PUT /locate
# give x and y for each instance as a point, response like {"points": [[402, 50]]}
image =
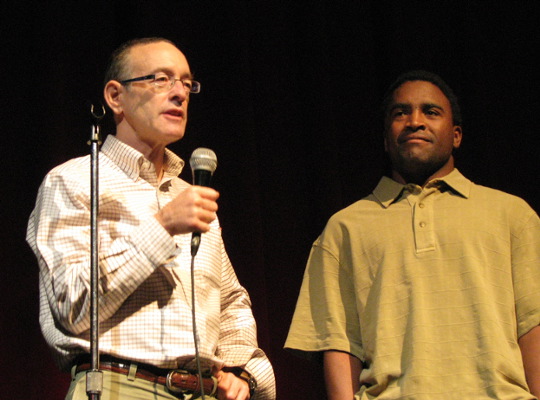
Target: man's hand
{"points": [[230, 387], [192, 210]]}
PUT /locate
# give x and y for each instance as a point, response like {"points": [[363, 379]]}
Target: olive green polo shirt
{"points": [[430, 287]]}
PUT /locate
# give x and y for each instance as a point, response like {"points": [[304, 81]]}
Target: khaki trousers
{"points": [[121, 387]]}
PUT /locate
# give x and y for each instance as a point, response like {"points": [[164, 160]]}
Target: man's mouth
{"points": [[413, 138], [175, 112]]}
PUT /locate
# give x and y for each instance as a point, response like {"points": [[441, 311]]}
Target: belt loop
{"points": [[132, 371], [73, 371]]}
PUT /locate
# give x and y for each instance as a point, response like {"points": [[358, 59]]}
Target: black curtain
{"points": [[290, 104]]}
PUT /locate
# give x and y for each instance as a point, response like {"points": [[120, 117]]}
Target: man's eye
{"points": [[162, 79], [187, 84]]}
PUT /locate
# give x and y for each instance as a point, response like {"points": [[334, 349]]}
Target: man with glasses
{"points": [[146, 217]]}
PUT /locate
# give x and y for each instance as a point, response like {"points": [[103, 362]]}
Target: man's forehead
{"points": [[419, 92], [142, 47], [156, 56]]}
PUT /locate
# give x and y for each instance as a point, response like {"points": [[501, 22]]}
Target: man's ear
{"points": [[112, 95], [385, 138], [458, 134]]}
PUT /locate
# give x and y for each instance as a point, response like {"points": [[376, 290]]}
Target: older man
{"points": [[146, 218]]}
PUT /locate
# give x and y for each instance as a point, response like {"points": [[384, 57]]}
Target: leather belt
{"points": [[176, 380]]}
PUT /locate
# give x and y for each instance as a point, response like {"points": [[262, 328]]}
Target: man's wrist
{"points": [[245, 376], [252, 383]]}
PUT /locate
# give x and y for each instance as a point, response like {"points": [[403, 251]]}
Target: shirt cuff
{"points": [[261, 369]]}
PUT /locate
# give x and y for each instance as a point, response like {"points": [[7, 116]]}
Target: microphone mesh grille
{"points": [[203, 158]]}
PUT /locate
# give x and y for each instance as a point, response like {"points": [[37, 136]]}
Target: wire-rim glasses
{"points": [[165, 81]]}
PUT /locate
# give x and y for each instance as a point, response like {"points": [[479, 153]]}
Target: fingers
{"points": [[230, 387], [203, 206], [191, 211], [205, 192]]}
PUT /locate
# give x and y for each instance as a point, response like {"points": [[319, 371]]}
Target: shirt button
{"points": [[421, 205], [422, 224]]}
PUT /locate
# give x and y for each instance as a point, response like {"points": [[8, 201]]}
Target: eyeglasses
{"points": [[163, 81]]}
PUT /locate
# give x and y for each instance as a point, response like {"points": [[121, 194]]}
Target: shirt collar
{"points": [[388, 190], [457, 182], [131, 160]]}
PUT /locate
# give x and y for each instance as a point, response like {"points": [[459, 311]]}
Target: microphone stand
{"points": [[94, 377]]}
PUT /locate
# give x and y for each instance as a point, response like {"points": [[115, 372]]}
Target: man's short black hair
{"points": [[421, 75]]}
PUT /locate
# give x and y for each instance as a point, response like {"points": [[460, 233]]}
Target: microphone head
{"points": [[203, 159]]}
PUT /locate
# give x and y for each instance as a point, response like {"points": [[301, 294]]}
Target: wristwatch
{"points": [[252, 383]]}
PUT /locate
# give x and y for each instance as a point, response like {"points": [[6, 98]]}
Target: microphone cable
{"points": [[194, 324]]}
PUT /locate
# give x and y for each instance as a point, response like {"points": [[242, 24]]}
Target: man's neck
{"points": [[422, 179]]}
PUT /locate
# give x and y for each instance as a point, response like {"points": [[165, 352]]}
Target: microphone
{"points": [[203, 163]]}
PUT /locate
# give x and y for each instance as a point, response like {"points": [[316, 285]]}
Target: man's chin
{"points": [[175, 136]]}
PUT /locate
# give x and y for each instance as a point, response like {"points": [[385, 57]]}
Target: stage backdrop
{"points": [[289, 102]]}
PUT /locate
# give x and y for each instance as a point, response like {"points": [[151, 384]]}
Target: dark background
{"points": [[289, 102]]}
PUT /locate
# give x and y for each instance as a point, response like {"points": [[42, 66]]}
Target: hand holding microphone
{"points": [[195, 208]]}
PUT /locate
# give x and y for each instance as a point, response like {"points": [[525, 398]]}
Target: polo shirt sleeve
{"points": [[326, 316], [526, 271]]}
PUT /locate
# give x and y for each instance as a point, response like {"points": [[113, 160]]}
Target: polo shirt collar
{"points": [[388, 190], [457, 182]]}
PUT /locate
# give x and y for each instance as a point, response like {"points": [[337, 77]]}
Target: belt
{"points": [[176, 380]]}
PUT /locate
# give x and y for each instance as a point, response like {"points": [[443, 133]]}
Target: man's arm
{"points": [[341, 375], [59, 234], [530, 351], [237, 343]]}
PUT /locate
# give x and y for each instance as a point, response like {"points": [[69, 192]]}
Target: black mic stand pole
{"points": [[94, 377]]}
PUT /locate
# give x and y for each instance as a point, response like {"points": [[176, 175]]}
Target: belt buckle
{"points": [[169, 384]]}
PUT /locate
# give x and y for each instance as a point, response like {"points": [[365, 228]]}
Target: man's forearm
{"points": [[530, 351], [341, 375]]}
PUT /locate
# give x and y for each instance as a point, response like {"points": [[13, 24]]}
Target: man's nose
{"points": [[179, 90], [416, 120]]}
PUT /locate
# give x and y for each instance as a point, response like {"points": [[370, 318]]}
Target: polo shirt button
{"points": [[422, 224], [421, 205]]}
